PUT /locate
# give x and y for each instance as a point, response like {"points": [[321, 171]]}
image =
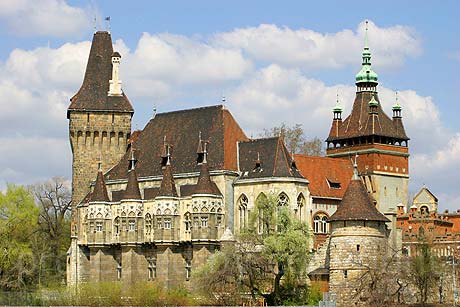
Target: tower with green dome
{"points": [[379, 141]]}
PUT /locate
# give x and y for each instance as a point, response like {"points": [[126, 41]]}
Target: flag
{"points": [[107, 18]]}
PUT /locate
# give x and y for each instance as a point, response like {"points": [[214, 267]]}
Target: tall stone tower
{"points": [[359, 238], [380, 141], [99, 117]]}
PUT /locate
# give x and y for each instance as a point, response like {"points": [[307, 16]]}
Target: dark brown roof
{"points": [[205, 185], [92, 95], [151, 193], [117, 195], [360, 123], [357, 205], [100, 190], [323, 172], [187, 190], [182, 129], [168, 187], [132, 188], [274, 158]]}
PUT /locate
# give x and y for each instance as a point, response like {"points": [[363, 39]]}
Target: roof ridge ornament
{"points": [[355, 168]]}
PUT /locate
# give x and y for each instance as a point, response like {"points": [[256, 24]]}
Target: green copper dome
{"points": [[337, 109], [373, 102], [396, 107], [366, 74]]}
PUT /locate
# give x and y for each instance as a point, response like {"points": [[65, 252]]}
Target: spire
{"points": [[99, 193], [366, 78], [205, 185], [132, 188], [115, 82], [337, 110], [396, 108], [168, 186]]}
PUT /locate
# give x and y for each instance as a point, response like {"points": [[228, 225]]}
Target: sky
{"points": [[273, 61]]}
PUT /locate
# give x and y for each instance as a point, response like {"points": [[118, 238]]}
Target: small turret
{"points": [[99, 193], [396, 108], [132, 188], [204, 184], [373, 105], [168, 186]]}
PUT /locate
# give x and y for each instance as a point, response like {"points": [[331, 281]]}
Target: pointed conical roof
{"points": [[357, 204], [205, 185], [132, 188], [93, 94], [168, 186], [99, 193]]}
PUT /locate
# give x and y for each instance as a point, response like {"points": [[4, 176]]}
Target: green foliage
{"points": [[295, 139], [269, 260], [18, 221], [424, 270], [117, 294]]}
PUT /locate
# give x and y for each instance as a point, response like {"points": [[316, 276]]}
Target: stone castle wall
{"points": [[94, 137], [353, 249]]}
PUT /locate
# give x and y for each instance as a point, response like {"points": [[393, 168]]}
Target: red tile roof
{"points": [[318, 170]]}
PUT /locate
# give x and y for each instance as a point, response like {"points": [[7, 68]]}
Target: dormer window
{"points": [[333, 183]]}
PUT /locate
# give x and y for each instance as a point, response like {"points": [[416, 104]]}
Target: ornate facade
{"points": [[153, 204]]}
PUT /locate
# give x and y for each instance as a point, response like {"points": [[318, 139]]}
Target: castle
{"points": [[154, 204]]}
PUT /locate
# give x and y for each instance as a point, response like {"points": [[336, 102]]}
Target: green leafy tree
{"points": [[269, 259], [296, 140], [18, 223], [424, 268]]}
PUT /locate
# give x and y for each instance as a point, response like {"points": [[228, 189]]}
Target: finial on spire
{"points": [[94, 23], [205, 152], [154, 112], [99, 166], [366, 42], [223, 98], [107, 19]]}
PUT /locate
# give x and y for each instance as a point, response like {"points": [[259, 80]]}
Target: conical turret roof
{"points": [[132, 188], [205, 185], [357, 205], [168, 186], [99, 193]]}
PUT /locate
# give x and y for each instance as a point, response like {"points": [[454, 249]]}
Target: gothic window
{"points": [[424, 210], [204, 221], [283, 200], [167, 223], [320, 223], [243, 211], [98, 226], [159, 223], [300, 206], [196, 222], [116, 226], [148, 223], [131, 225], [219, 220]]}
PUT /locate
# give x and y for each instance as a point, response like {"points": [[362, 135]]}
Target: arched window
{"points": [[300, 206], [116, 226], [283, 200], [320, 223], [188, 221], [148, 223], [243, 211], [424, 210]]}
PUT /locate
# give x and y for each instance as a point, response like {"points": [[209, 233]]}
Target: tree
{"points": [[383, 281], [424, 270], [53, 198], [268, 260], [18, 221], [295, 139]]}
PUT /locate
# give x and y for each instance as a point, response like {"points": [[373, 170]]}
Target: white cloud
{"points": [[304, 48], [44, 18]]}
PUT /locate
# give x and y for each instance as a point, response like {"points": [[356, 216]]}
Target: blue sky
{"points": [[275, 61]]}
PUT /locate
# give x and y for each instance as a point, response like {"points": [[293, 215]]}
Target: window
{"points": [[204, 222], [152, 268], [159, 223], [188, 270], [320, 223], [283, 200], [148, 223], [167, 223], [333, 183], [243, 210], [300, 206], [188, 222], [358, 248], [219, 220], [345, 273], [119, 271], [98, 226], [196, 222], [131, 225]]}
